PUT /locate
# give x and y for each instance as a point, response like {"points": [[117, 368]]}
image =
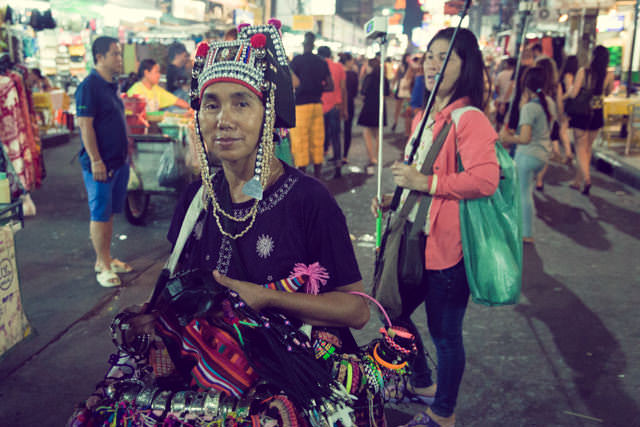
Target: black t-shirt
{"points": [[176, 77], [312, 71], [298, 221]]}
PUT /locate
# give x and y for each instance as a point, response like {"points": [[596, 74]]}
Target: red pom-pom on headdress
{"points": [[244, 24], [275, 22], [258, 41], [202, 50]]}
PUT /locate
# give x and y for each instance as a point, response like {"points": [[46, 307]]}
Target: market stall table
{"points": [[618, 106], [617, 114]]}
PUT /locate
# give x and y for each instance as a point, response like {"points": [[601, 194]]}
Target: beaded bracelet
{"points": [[375, 370], [363, 377], [327, 336], [372, 383], [334, 369], [355, 384], [384, 363], [323, 349], [391, 343], [343, 371], [349, 376]]}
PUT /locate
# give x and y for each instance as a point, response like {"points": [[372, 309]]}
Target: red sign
{"points": [[453, 7]]}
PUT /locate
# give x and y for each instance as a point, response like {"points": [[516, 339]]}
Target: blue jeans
{"points": [[332, 132], [527, 168], [445, 294]]}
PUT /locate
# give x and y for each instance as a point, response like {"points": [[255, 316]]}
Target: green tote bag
{"points": [[491, 229]]}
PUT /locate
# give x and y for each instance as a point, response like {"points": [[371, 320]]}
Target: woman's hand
{"points": [[406, 176], [386, 202], [254, 295], [505, 134]]}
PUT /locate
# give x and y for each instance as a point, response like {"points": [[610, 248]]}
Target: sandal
{"points": [[422, 419], [416, 397], [108, 279], [403, 392], [117, 266]]}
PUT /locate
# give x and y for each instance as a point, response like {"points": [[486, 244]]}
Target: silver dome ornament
{"points": [[212, 403], [196, 406], [178, 402], [130, 390], [161, 402]]}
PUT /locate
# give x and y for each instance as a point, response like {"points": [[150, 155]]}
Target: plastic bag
{"points": [[172, 170], [491, 229]]}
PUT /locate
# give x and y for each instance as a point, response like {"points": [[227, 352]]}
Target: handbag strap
{"points": [[191, 217], [426, 169]]}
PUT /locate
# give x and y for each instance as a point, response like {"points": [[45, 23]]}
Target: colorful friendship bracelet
{"points": [[286, 285]]}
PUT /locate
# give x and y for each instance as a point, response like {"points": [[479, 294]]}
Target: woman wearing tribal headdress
{"points": [[249, 322]]}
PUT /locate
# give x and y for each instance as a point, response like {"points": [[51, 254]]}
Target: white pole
{"points": [[383, 44], [381, 115]]}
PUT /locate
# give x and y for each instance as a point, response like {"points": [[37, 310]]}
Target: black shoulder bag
{"points": [[400, 262]]}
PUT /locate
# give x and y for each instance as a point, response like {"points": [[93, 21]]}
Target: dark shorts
{"points": [[106, 197], [593, 121]]}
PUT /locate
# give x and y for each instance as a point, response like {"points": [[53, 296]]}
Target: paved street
{"points": [[567, 355]]}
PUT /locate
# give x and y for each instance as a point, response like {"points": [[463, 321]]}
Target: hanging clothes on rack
{"points": [[17, 129]]}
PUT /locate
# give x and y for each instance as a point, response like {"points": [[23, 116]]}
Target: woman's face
{"points": [[153, 75], [432, 64], [231, 121]]}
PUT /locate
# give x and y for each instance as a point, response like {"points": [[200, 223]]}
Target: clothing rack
{"points": [[10, 34]]}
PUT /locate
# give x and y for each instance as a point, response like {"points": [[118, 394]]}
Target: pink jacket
{"points": [[476, 144]]}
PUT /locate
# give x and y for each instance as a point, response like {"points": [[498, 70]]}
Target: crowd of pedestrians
{"points": [[536, 115]]}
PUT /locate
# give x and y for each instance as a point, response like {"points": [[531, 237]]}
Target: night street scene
{"points": [[265, 213]]}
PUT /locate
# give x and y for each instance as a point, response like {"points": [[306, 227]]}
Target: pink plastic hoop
{"points": [[370, 298]]}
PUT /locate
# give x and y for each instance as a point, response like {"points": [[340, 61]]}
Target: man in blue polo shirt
{"points": [[103, 156]]}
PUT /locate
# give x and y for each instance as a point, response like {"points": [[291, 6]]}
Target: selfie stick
{"points": [[432, 96], [376, 28], [383, 46]]}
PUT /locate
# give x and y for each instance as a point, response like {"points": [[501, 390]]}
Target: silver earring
{"points": [[253, 188]]}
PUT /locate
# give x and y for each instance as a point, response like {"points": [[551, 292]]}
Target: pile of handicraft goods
{"points": [[204, 358]]}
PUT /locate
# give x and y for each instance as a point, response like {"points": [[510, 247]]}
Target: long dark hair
{"points": [[514, 116], [598, 67], [550, 71], [570, 66], [471, 80], [405, 63], [145, 65], [534, 80]]}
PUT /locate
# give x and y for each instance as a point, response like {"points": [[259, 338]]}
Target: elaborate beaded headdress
{"points": [[257, 61]]}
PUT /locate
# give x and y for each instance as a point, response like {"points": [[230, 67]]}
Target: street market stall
{"points": [[159, 155]]}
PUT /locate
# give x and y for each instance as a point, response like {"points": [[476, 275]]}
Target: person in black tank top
{"points": [[586, 127]]}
